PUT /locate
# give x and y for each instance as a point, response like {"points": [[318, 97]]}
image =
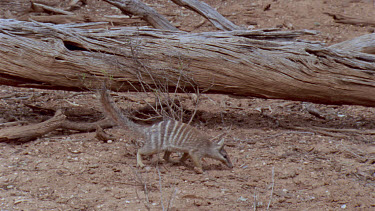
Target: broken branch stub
{"points": [[138, 8], [209, 13]]}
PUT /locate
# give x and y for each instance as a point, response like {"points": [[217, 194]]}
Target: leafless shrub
{"points": [[168, 102]]}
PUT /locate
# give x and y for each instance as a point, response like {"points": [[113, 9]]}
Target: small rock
{"points": [[242, 199]]}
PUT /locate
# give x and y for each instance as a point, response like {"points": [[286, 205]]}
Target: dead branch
{"points": [[33, 131], [63, 19], [258, 63], [322, 132], [10, 124], [334, 132], [209, 13], [38, 7], [136, 7], [347, 130], [364, 44], [351, 20], [58, 19]]}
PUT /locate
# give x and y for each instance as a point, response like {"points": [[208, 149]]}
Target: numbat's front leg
{"points": [[139, 160]]}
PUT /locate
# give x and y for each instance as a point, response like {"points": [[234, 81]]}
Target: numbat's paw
{"points": [[141, 165], [198, 170]]}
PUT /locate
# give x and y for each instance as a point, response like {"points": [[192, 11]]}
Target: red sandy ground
{"points": [[276, 167]]}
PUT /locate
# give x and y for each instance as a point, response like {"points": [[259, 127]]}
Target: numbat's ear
{"points": [[221, 144]]}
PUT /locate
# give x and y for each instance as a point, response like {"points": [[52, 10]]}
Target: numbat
{"points": [[169, 136]]}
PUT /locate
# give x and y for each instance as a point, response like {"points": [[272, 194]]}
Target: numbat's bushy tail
{"points": [[169, 136]]}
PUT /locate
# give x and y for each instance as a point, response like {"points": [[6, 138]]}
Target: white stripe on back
{"points": [[159, 133], [165, 134], [177, 141], [187, 134], [177, 133], [190, 136], [171, 136]]}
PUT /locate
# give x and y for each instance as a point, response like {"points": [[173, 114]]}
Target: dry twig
{"points": [[272, 186]]}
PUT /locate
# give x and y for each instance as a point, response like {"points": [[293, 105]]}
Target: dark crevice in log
{"points": [[72, 46]]}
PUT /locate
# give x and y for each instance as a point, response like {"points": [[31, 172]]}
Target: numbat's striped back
{"points": [[169, 136], [173, 135]]}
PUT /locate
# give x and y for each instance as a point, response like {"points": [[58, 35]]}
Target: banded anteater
{"points": [[169, 136]]}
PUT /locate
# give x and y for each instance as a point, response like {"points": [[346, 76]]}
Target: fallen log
{"points": [[264, 63]]}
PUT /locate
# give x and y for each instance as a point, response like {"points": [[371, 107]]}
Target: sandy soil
{"points": [[275, 167]]}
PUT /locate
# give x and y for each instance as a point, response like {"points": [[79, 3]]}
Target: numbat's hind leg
{"points": [[166, 156], [184, 157]]}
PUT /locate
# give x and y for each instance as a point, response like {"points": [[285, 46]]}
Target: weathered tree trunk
{"points": [[259, 63]]}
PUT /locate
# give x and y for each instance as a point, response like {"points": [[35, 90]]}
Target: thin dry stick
{"points": [[156, 90], [160, 189], [163, 99], [255, 200], [319, 131], [147, 103], [196, 106], [355, 131], [172, 197], [272, 185], [140, 180], [166, 104]]}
